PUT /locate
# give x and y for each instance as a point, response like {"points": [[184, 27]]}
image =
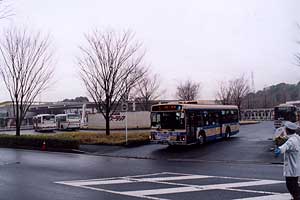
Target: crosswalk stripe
{"points": [[129, 180], [285, 196], [194, 188], [174, 178], [106, 182], [161, 191]]}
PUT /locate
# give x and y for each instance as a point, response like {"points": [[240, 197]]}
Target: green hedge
{"points": [[36, 141]]}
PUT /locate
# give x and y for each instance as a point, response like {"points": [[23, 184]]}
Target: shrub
{"points": [[112, 139], [36, 141]]}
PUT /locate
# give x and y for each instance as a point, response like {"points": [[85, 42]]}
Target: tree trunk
{"points": [[18, 126], [107, 115], [107, 125], [18, 123], [18, 129]]}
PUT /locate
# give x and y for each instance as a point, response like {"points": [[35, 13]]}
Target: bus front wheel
{"points": [[227, 133], [202, 138]]}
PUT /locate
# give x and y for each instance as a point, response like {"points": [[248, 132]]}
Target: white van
{"points": [[44, 122], [67, 121]]}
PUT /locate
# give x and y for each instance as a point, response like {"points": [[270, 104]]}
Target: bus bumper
{"points": [[168, 142]]}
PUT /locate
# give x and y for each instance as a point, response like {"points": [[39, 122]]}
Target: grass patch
{"points": [[36, 141], [101, 138], [72, 140]]}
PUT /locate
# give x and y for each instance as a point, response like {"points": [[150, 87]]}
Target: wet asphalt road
{"points": [[229, 169]]}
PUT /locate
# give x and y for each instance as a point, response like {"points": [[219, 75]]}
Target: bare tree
{"points": [[110, 66], [146, 90], [5, 9], [233, 92], [240, 89], [224, 94], [25, 68], [188, 90]]}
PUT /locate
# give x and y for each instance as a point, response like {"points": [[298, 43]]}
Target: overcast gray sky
{"points": [[203, 40]]}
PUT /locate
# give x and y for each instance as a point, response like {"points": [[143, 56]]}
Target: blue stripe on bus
{"points": [[218, 125], [217, 136]]}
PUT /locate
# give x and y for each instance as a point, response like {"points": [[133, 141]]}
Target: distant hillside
{"points": [[272, 96]]}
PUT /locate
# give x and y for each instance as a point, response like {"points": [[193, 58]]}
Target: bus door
{"points": [[191, 126], [223, 121]]}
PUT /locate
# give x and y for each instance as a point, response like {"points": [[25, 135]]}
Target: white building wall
{"points": [[134, 120]]}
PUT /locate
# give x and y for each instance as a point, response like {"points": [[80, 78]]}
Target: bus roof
{"points": [[43, 115], [166, 107], [285, 105], [65, 114]]}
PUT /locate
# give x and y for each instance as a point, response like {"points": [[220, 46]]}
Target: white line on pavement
{"points": [[194, 188], [285, 196], [129, 180], [120, 193]]}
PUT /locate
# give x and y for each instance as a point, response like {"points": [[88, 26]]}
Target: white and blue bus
{"points": [[185, 124], [285, 112]]}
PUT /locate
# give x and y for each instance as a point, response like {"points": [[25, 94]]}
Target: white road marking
{"points": [[243, 184], [162, 191], [112, 178], [130, 180], [98, 182], [174, 178], [284, 196], [120, 193], [180, 187], [194, 188]]}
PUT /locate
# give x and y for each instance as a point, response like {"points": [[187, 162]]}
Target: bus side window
{"points": [[205, 118], [216, 118], [227, 116], [199, 119], [211, 118], [222, 117], [235, 116], [39, 120]]}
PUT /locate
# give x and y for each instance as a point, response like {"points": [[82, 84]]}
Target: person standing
{"points": [[291, 151]]}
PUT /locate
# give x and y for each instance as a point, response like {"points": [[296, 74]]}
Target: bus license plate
{"points": [[173, 137], [163, 136]]}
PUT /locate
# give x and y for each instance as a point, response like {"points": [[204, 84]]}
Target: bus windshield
{"points": [[73, 116], [168, 120], [286, 113], [49, 118]]}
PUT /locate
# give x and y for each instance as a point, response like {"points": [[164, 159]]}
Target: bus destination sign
{"points": [[166, 108]]}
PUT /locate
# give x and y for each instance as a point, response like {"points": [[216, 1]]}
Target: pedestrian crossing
{"points": [[173, 186]]}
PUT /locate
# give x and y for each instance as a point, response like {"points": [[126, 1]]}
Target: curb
{"points": [[241, 162], [249, 123]]}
